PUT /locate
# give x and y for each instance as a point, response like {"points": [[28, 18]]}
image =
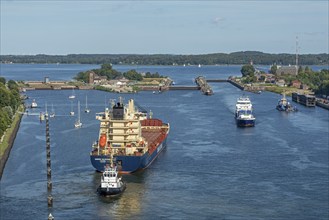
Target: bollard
{"points": [[50, 201], [50, 217]]}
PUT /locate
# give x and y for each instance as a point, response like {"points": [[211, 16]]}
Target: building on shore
{"points": [[96, 79], [286, 70]]}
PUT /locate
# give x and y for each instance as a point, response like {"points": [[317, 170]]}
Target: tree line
{"points": [[110, 73], [9, 103], [237, 58]]}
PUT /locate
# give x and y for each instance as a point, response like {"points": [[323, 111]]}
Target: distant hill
{"points": [[239, 58]]}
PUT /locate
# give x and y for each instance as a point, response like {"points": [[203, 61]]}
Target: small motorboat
{"points": [[111, 184], [34, 104]]}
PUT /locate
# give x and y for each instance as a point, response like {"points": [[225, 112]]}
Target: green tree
{"points": [[273, 69], [106, 66], [248, 70], [12, 85], [324, 88], [133, 75], [82, 76], [2, 80], [308, 70]]}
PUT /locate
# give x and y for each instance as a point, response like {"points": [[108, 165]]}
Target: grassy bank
{"points": [[9, 133], [9, 137]]}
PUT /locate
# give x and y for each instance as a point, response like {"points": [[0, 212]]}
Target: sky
{"points": [[58, 27]]}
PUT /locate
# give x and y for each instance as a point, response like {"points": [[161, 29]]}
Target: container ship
{"points": [[131, 137], [243, 113]]}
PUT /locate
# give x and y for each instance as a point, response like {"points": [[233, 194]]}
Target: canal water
{"points": [[210, 169]]}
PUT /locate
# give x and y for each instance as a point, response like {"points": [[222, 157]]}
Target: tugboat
{"points": [[111, 184], [284, 105], [243, 113]]}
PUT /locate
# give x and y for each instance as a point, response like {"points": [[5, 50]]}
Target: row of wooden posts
{"points": [[49, 183]]}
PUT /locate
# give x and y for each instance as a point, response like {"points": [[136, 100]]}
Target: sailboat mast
{"points": [[86, 103], [79, 111]]}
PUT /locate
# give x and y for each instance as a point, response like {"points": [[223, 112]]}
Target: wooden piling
{"points": [[48, 158], [50, 201], [49, 185]]}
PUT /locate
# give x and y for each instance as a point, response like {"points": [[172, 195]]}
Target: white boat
{"points": [[111, 184], [72, 112], [52, 114], [78, 123], [244, 113], [73, 95], [87, 110], [34, 104]]}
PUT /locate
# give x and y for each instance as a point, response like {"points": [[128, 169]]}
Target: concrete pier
{"points": [[184, 88]]}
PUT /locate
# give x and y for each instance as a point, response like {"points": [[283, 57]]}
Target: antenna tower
{"points": [[296, 55]]}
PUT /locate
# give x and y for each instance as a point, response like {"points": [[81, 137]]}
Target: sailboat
{"points": [[73, 95], [71, 112], [87, 110], [52, 114], [78, 123]]}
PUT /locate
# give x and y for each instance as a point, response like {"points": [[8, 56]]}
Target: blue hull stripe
{"points": [[129, 164], [245, 123]]}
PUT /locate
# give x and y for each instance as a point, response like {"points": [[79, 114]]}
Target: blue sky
{"points": [[163, 27]]}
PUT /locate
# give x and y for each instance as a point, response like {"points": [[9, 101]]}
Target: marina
{"points": [[275, 170]]}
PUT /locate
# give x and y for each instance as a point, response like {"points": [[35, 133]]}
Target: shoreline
{"points": [[11, 139]]}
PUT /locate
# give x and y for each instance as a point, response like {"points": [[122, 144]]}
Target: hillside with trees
{"points": [[9, 103], [238, 58]]}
